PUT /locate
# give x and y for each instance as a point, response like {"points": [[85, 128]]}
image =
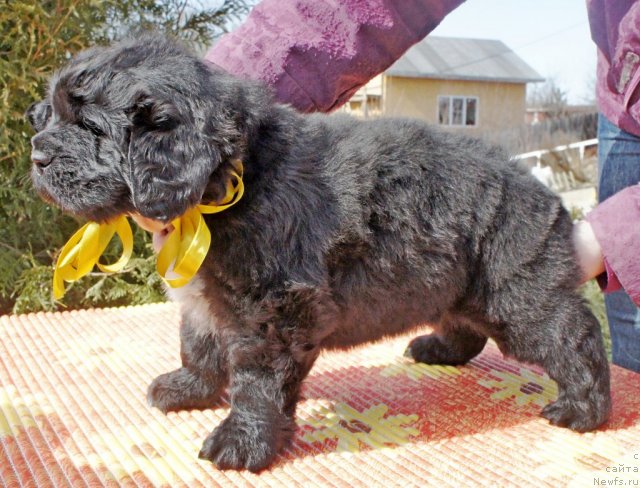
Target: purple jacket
{"points": [[616, 224], [615, 28], [317, 53]]}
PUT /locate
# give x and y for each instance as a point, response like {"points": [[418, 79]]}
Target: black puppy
{"points": [[348, 232]]}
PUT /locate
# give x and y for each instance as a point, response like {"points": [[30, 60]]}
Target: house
{"points": [[477, 86]]}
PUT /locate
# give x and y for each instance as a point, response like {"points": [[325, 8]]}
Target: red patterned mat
{"points": [[73, 413]]}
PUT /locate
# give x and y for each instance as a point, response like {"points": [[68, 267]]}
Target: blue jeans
{"points": [[618, 168]]}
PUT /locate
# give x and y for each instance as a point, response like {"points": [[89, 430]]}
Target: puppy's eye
{"points": [[91, 127]]}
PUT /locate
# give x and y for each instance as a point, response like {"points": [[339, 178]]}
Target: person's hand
{"points": [[588, 250]]}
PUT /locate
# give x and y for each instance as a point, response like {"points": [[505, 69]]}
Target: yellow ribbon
{"points": [[185, 248], [188, 244], [82, 252]]}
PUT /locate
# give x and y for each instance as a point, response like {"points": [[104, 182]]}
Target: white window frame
{"points": [[464, 110]]}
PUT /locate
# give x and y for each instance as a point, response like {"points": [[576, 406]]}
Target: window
{"points": [[457, 111]]}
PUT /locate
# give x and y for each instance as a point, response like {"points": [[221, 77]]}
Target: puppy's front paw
{"points": [[244, 443], [580, 415], [181, 390]]}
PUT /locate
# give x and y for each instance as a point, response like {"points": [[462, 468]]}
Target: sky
{"points": [[552, 36]]}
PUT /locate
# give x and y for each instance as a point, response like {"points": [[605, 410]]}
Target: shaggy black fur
{"points": [[349, 231]]}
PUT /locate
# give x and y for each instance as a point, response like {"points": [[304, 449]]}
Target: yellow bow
{"points": [[185, 248], [82, 252], [188, 244]]}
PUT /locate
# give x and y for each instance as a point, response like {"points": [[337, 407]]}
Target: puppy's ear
{"points": [[38, 114], [171, 160]]}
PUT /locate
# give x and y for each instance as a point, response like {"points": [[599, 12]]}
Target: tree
{"points": [[37, 38], [549, 97]]}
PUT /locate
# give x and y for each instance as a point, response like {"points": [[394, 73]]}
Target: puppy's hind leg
{"points": [[200, 381], [567, 342], [455, 343]]}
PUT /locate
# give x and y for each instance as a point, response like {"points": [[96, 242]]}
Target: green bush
{"points": [[37, 37]]}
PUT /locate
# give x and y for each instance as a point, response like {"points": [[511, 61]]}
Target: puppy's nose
{"points": [[40, 159]]}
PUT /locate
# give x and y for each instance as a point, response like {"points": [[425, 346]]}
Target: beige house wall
{"points": [[501, 106]]}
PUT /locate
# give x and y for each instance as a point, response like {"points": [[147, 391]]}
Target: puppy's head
{"points": [[136, 127]]}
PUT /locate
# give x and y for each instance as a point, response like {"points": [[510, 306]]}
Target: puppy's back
{"points": [[429, 219]]}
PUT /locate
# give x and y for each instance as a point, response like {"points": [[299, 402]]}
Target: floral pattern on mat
{"points": [[417, 371], [353, 429], [524, 388]]}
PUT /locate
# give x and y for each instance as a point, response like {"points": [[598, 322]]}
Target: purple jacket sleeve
{"points": [[616, 224], [316, 53]]}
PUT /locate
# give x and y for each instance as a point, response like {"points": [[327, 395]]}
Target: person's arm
{"points": [[588, 250], [315, 54], [608, 243]]}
